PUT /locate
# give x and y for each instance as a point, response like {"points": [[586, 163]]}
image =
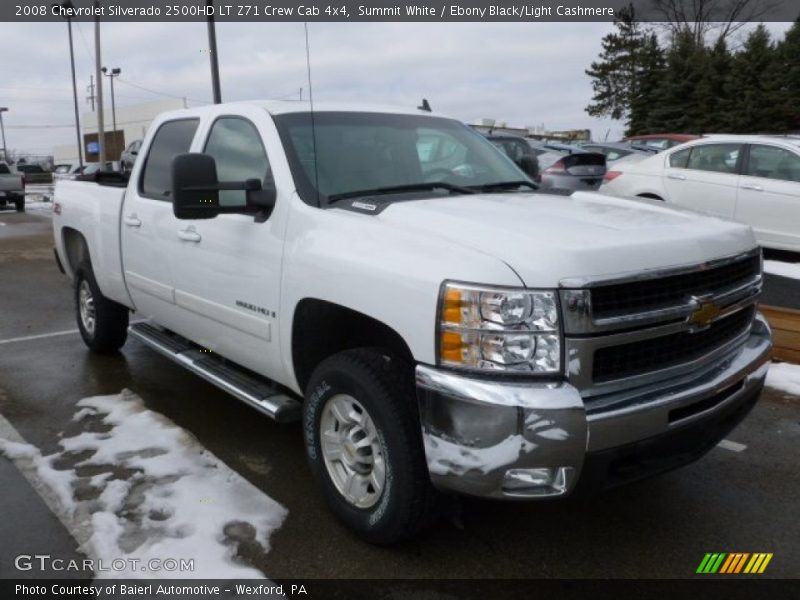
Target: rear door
{"points": [[704, 177], [148, 225], [769, 195]]}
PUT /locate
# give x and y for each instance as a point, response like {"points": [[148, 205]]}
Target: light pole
{"points": [[111, 74], [3, 131], [101, 130], [212, 51], [68, 6]]}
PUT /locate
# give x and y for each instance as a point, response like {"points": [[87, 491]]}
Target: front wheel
{"points": [[20, 205], [103, 323], [364, 445]]}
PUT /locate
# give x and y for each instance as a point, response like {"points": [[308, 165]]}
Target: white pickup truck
{"points": [[438, 324], [12, 188]]}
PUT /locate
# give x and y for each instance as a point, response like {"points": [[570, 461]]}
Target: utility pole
{"points": [[3, 131], [90, 89], [212, 51], [113, 73], [101, 132], [68, 4]]}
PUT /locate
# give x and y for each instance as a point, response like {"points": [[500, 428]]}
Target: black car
{"points": [[518, 150]]}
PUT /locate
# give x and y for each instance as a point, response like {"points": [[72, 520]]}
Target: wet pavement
{"points": [[730, 501]]}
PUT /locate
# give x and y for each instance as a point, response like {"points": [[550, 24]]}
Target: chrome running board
{"points": [[258, 392]]}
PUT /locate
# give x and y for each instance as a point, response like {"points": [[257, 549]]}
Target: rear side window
{"points": [[4, 170], [717, 158], [171, 139], [679, 159]]}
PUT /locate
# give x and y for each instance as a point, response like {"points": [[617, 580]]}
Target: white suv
{"points": [[752, 179]]}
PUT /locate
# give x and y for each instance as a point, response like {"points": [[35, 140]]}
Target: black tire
{"points": [[20, 204], [384, 386], [110, 328]]}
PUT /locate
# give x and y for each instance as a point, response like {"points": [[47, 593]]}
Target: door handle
{"points": [[189, 235], [677, 176], [132, 220], [752, 186]]}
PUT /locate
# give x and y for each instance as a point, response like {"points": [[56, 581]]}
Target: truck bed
{"points": [[92, 211]]}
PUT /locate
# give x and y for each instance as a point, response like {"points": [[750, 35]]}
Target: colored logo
{"points": [[707, 312], [734, 563]]}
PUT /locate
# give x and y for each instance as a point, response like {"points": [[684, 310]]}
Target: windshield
{"points": [[369, 152]]}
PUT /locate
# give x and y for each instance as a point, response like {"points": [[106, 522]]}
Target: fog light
{"points": [[545, 481]]}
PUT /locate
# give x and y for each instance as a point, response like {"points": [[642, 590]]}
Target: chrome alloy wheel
{"points": [[86, 307], [352, 451]]}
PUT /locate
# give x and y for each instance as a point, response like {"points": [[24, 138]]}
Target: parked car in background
{"points": [[568, 167], [12, 187], [90, 171], [518, 150], [660, 141], [129, 155], [616, 152], [35, 174], [752, 179], [66, 171]]}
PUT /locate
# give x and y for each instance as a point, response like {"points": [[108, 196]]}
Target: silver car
{"points": [[568, 167]]}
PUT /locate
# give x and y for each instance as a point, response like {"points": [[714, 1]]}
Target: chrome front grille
{"points": [[631, 330]]}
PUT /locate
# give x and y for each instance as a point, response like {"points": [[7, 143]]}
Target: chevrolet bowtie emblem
{"points": [[707, 312]]}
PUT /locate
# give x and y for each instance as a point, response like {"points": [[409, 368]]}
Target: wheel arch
{"points": [[321, 329]]}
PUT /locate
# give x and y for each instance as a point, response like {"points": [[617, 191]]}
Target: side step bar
{"points": [[258, 392]]}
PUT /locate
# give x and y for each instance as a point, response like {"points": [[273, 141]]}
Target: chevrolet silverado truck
{"points": [[436, 323], [12, 188]]}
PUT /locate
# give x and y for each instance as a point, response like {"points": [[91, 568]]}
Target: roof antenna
{"points": [[313, 126], [424, 106]]}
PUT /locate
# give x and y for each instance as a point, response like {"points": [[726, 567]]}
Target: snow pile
{"points": [[784, 377], [782, 269], [146, 489]]}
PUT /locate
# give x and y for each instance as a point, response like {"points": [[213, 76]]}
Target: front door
{"points": [[227, 269]]}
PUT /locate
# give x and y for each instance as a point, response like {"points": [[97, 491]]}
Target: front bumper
{"points": [[506, 439]]}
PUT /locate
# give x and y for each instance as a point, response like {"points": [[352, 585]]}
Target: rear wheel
{"points": [[103, 323], [364, 445], [20, 204]]}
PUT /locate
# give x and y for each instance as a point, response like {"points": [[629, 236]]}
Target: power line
{"points": [[146, 89]]}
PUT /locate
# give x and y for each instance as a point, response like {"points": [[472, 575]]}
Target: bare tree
{"points": [[709, 21]]}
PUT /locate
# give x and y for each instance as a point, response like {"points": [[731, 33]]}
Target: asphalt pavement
{"points": [[737, 499]]}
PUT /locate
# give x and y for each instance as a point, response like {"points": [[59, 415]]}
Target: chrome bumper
{"points": [[505, 439]]}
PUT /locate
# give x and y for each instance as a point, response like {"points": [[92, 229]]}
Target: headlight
{"points": [[512, 330]]}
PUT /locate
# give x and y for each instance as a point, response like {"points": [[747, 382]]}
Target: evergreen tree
{"points": [[645, 97], [614, 74], [754, 86], [711, 93], [788, 58], [679, 108]]}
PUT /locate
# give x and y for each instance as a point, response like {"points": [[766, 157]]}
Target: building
{"points": [[132, 123], [538, 132]]}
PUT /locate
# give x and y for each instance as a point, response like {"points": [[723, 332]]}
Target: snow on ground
{"points": [[147, 489], [783, 269], [784, 377]]}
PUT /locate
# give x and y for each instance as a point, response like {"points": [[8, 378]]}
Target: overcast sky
{"points": [[525, 74]]}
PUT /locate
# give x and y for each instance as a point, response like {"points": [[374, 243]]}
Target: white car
{"points": [[752, 179]]}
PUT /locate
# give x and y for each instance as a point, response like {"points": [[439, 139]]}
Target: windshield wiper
{"points": [[399, 189], [506, 185]]}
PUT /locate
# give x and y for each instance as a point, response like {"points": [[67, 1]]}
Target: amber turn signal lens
{"points": [[451, 346], [451, 312]]}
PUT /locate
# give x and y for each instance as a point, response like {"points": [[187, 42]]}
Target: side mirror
{"points": [[530, 166], [195, 190]]}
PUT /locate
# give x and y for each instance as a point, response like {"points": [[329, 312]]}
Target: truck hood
{"points": [[546, 238]]}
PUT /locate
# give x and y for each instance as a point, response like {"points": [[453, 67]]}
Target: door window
{"points": [[718, 158], [773, 163], [239, 153], [171, 139], [679, 159]]}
